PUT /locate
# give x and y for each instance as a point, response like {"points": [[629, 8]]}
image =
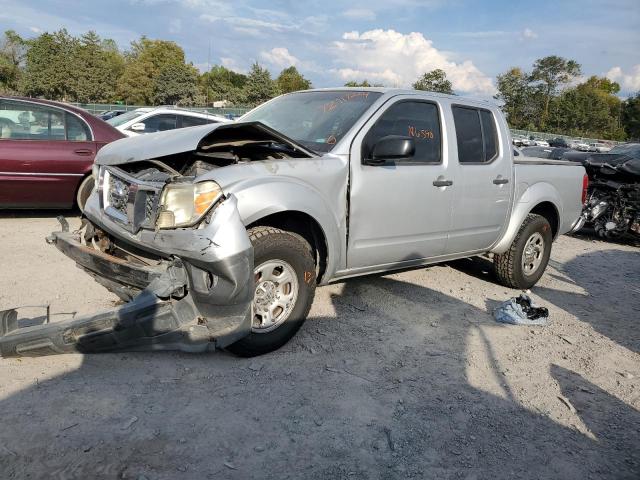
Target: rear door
{"points": [[484, 180], [44, 153], [396, 213]]}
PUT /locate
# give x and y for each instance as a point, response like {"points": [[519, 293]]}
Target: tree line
{"points": [[90, 69]]}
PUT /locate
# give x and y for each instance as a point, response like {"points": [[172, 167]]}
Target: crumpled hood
{"points": [[171, 142]]}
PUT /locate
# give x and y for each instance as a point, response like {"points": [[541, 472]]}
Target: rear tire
{"points": [[84, 191], [526, 260], [278, 253]]}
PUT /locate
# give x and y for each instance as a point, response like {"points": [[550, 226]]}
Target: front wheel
{"points": [[524, 263], [84, 191], [285, 282]]}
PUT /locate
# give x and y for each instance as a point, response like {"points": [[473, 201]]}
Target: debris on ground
{"points": [[521, 311]]}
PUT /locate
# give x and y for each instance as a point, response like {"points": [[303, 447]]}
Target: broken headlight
{"points": [[184, 204]]}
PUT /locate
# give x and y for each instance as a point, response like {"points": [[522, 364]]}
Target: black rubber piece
{"points": [[272, 243], [508, 265]]}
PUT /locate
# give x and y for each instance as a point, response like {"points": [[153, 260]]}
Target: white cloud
{"points": [[232, 64], [244, 23], [175, 25], [279, 57], [360, 14], [35, 29], [530, 34], [628, 81], [396, 59]]}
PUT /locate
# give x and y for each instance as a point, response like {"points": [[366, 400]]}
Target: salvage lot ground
{"points": [[400, 376]]}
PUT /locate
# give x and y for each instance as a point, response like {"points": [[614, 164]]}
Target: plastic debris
{"points": [[521, 311]]}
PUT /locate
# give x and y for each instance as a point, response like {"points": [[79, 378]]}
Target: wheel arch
{"points": [[541, 199], [307, 227]]}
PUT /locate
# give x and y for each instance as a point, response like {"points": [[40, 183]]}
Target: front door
{"points": [[484, 181], [396, 212]]}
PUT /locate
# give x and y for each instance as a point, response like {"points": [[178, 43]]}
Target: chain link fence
{"points": [[97, 108]]}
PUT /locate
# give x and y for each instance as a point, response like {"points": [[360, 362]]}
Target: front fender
{"points": [[528, 197], [257, 200]]}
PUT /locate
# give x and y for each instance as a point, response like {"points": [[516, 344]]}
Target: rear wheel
{"points": [[84, 191], [524, 263], [285, 282]]}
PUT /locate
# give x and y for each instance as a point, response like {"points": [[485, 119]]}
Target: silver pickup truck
{"points": [[217, 236]]}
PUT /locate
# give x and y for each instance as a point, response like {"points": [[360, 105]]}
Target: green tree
{"points": [[259, 87], [587, 110], [49, 66], [631, 116], [553, 72], [97, 65], [434, 81], [290, 80], [604, 84], [176, 84], [143, 63], [521, 100], [12, 53], [353, 83], [220, 83]]}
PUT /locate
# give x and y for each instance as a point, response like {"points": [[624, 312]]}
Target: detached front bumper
{"points": [[196, 297]]}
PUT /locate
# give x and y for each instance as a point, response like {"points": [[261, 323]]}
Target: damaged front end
{"points": [[190, 290], [159, 232]]}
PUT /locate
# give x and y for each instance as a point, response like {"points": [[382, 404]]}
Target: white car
{"points": [[150, 120], [541, 143], [583, 147], [599, 147]]}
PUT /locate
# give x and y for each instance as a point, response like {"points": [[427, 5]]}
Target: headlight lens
{"points": [[183, 204]]}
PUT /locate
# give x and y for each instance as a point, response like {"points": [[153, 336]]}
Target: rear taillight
{"points": [[585, 186]]}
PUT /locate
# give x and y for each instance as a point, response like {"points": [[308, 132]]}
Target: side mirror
{"points": [[392, 147], [137, 127]]}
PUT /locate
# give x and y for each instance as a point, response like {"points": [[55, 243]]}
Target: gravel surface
{"points": [[398, 376]]}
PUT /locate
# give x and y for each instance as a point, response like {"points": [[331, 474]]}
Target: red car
{"points": [[46, 153]]}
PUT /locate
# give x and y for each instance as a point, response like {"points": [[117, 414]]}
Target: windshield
{"points": [[317, 120], [124, 118]]}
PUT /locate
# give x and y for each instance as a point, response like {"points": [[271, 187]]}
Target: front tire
{"points": [[84, 191], [526, 260], [285, 277]]}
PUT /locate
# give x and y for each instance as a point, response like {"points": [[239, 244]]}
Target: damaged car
{"points": [[217, 236]]}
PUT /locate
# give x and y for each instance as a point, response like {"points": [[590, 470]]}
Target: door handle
{"points": [[500, 181], [83, 151], [442, 183]]}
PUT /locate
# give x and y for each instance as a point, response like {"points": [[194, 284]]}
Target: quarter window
{"points": [[193, 121], [418, 120], [476, 135], [77, 130]]}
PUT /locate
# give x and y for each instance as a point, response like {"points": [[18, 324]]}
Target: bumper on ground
{"points": [[193, 300]]}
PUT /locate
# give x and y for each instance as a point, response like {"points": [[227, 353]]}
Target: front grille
{"points": [[127, 200]]}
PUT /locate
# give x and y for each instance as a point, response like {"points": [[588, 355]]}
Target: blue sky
{"points": [[385, 41]]}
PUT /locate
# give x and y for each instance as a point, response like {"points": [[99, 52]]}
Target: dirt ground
{"points": [[398, 376]]}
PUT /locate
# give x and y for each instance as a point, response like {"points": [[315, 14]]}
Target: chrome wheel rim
{"points": [[532, 254], [275, 295]]}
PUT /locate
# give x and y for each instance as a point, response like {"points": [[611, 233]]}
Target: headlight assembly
{"points": [[184, 204]]}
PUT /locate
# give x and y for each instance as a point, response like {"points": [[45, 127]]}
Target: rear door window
{"points": [[419, 120], [476, 135]]}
